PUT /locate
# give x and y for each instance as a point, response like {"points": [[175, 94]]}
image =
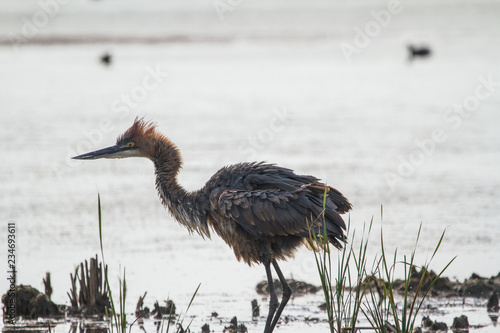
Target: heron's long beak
{"points": [[110, 152]]}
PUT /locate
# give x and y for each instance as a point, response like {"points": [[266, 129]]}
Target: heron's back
{"points": [[264, 210]]}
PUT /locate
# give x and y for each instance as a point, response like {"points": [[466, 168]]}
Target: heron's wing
{"points": [[275, 212], [274, 177]]}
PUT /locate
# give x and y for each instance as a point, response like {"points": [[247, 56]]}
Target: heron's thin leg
{"points": [[287, 292], [273, 302]]}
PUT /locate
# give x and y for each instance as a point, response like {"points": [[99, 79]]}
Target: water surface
{"points": [[265, 84]]}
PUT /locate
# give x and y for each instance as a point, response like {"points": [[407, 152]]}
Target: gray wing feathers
{"points": [[267, 200], [278, 213]]}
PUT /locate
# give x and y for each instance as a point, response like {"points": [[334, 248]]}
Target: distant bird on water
{"points": [[418, 51], [106, 59], [260, 210]]}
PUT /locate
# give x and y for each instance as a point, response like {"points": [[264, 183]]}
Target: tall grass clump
{"points": [[382, 308], [344, 294], [350, 291], [118, 318]]}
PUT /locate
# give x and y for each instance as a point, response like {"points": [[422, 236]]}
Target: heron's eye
{"points": [[129, 145]]}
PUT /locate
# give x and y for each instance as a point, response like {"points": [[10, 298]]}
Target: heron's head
{"points": [[138, 141]]}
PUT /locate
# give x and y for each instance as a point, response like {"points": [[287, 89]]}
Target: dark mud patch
{"points": [[30, 303], [492, 305], [461, 322], [429, 325], [299, 288], [475, 286], [234, 327], [160, 311]]}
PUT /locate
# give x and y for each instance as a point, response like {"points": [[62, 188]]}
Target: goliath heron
{"points": [[262, 211]]}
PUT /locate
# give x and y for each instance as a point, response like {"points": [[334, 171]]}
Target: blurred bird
{"points": [[106, 59], [421, 51], [262, 211]]}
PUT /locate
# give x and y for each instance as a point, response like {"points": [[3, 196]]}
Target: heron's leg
{"points": [[287, 292], [273, 302]]}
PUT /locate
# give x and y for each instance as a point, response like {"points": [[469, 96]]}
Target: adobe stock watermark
{"points": [[10, 305], [48, 9], [223, 6], [363, 37], [278, 122], [121, 106], [453, 118]]}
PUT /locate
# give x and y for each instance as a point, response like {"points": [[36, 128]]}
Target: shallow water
{"points": [[263, 84]]}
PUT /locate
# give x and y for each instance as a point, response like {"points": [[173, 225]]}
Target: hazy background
{"points": [[232, 81]]}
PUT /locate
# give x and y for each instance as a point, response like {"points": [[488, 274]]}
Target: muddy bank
{"points": [[88, 294], [29, 303], [446, 294], [474, 286], [298, 287]]}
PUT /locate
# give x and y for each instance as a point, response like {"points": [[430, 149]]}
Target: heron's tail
{"points": [[327, 221], [342, 203]]}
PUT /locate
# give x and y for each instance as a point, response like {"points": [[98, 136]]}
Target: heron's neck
{"points": [[184, 205]]}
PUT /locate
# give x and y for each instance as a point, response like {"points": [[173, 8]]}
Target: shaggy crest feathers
{"points": [[141, 129], [144, 135]]}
